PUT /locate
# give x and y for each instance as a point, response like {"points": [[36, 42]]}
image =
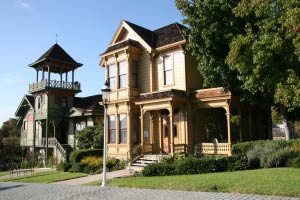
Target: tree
{"points": [[90, 137], [266, 56], [212, 26], [9, 128], [248, 46]]}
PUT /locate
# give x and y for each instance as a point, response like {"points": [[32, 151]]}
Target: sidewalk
{"points": [[91, 178], [22, 173]]}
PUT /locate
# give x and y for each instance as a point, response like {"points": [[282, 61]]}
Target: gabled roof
{"points": [[26, 104], [88, 104], [166, 35], [57, 54]]}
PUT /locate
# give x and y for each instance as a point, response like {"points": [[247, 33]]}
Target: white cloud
{"points": [[24, 4]]}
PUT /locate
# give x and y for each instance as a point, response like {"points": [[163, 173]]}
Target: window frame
{"points": [[135, 73], [169, 71], [123, 130], [111, 129], [123, 75], [112, 76]]}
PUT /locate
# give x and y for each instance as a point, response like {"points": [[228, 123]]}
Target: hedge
{"points": [[191, 165], [77, 155]]}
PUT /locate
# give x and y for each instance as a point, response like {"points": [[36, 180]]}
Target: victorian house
{"points": [[157, 100], [51, 114]]}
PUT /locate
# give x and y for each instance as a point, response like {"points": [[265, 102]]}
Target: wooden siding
{"points": [[194, 80], [144, 72]]}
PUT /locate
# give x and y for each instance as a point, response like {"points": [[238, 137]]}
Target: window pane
{"points": [[112, 122], [112, 70], [112, 83], [122, 81], [123, 67], [167, 63], [134, 74], [168, 77], [112, 136], [123, 121], [123, 136]]}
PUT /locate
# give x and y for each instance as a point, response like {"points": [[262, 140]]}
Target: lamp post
{"points": [[105, 98]]}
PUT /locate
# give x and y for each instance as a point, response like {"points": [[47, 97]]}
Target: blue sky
{"points": [[84, 29]]}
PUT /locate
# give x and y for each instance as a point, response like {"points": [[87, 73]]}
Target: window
{"points": [[136, 133], [40, 101], [122, 74], [123, 129], [112, 129], [80, 125], [135, 78], [24, 125], [168, 70], [112, 76]]}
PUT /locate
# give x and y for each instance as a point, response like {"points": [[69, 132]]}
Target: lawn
{"points": [[3, 173], [45, 177], [276, 181]]}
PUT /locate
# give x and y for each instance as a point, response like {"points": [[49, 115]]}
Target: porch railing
{"points": [[180, 148], [216, 148], [53, 84]]}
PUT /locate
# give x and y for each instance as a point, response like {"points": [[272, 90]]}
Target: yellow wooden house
{"points": [[158, 101]]}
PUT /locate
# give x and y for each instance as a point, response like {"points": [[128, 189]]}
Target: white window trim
{"points": [[163, 68]]}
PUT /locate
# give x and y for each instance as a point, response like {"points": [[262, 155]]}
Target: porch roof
{"points": [[211, 93]]}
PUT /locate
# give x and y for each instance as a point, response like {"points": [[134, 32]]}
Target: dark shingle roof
{"points": [[58, 54], [162, 36], [147, 35], [88, 104], [169, 34]]}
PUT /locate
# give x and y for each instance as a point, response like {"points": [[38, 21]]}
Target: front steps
{"points": [[145, 160]]}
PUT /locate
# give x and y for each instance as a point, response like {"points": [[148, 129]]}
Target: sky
{"points": [[84, 29]]}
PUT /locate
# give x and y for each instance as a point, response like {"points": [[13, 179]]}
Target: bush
{"points": [[271, 154], [77, 155], [115, 164], [64, 167], [25, 164], [92, 164], [159, 169], [244, 147], [76, 167], [295, 162]]}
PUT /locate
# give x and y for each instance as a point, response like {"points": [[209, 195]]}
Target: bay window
{"points": [[112, 129], [122, 74], [123, 129]]}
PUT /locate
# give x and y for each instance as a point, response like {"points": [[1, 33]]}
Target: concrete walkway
{"points": [[97, 177], [30, 191]]}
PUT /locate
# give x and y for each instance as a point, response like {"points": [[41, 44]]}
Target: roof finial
{"points": [[56, 38]]}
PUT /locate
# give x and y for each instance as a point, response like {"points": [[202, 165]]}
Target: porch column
{"points": [[129, 129], [171, 131], [37, 75], [151, 131], [142, 129], [160, 134], [228, 128], [43, 74], [66, 77], [48, 75], [151, 72]]}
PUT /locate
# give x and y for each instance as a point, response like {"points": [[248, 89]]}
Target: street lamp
{"points": [[105, 99]]}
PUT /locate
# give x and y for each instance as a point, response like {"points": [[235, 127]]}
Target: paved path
{"points": [[30, 191], [91, 178]]}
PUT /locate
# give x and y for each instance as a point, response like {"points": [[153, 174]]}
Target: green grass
{"points": [[277, 182], [45, 177], [4, 173]]}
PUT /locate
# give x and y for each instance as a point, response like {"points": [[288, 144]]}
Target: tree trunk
{"points": [[285, 125]]}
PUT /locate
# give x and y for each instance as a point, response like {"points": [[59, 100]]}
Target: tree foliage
{"points": [[90, 137], [249, 45], [9, 128]]}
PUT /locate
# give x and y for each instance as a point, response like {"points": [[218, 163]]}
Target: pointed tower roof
{"points": [[57, 57]]}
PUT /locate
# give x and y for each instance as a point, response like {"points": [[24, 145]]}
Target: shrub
{"points": [[92, 164], [76, 167], [115, 164], [64, 167], [25, 164], [159, 169], [78, 155], [295, 162], [244, 147]]}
